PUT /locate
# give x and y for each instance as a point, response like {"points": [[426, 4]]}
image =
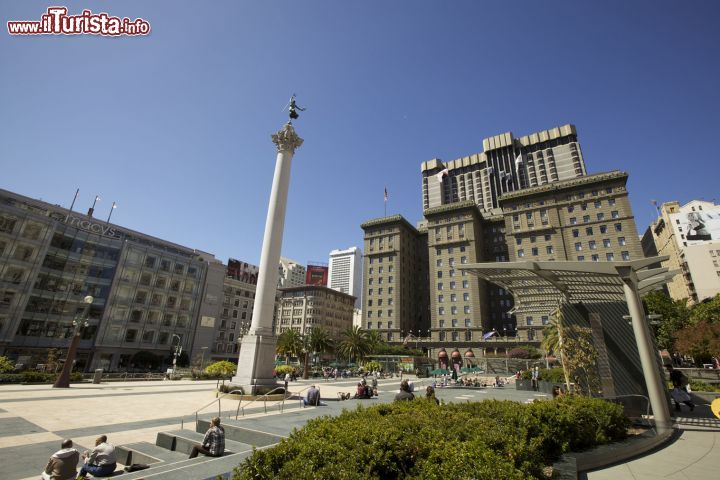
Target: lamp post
{"points": [[80, 321], [178, 351]]}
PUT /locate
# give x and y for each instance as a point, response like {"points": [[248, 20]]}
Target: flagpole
{"points": [[74, 198], [111, 212]]}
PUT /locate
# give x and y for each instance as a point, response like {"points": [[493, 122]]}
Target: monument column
{"points": [[257, 351]]}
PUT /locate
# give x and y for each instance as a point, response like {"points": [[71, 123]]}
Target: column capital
{"points": [[286, 140]]}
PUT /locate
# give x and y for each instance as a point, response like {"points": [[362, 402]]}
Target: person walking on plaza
{"points": [[287, 379], [63, 463], [535, 378], [679, 392], [405, 393], [100, 461], [313, 397], [213, 444]]}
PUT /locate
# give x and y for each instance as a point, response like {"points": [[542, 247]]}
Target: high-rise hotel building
{"points": [[505, 164], [520, 199], [345, 273]]}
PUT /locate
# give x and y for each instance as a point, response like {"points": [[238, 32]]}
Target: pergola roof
{"points": [[540, 287]]}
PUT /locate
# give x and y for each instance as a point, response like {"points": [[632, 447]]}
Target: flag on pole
{"points": [[441, 174], [386, 195]]}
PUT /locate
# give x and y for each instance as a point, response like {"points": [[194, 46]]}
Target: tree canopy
{"points": [[354, 344]]}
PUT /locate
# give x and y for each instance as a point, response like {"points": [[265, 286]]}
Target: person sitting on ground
{"points": [[405, 393], [430, 394], [557, 392], [680, 393], [100, 461], [63, 463], [360, 391], [312, 397], [213, 444]]}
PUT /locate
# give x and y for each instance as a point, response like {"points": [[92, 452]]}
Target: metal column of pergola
{"points": [[538, 288]]}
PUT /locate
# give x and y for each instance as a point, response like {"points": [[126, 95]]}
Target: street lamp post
{"points": [[178, 351], [63, 381]]}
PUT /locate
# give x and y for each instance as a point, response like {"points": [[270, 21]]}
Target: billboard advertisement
{"points": [[699, 225]]}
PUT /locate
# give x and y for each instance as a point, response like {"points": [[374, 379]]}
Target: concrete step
{"points": [[183, 441], [237, 433], [145, 452]]}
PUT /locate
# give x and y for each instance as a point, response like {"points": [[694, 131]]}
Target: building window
{"points": [[625, 255], [439, 263], [547, 237], [528, 321], [615, 214], [618, 227], [570, 208], [576, 233], [439, 274], [465, 284], [603, 229], [581, 258], [596, 258], [586, 218], [578, 247], [611, 202], [573, 221], [588, 231], [535, 251], [606, 242], [593, 245], [441, 298], [621, 241], [439, 286], [532, 239], [521, 253], [610, 257], [601, 216], [598, 203], [549, 249], [466, 296], [452, 285]]}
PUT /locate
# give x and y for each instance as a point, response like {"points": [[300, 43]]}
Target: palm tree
{"points": [[375, 339], [318, 340], [354, 344], [552, 341], [289, 343]]}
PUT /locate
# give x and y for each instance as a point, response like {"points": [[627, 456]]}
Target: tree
{"points": [[354, 344], [708, 310], [675, 317], [553, 336], [6, 365], [222, 368], [701, 341], [319, 340], [375, 340], [290, 344], [580, 359]]}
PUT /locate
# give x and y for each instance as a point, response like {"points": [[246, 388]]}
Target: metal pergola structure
{"points": [[538, 288]]}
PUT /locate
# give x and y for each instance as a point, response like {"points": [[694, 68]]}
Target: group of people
{"points": [[406, 393], [98, 462], [365, 389]]}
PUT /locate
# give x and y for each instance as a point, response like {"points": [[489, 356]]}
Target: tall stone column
{"points": [[257, 350]]}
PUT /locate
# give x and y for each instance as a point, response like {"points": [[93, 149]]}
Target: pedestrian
{"points": [[535, 378], [287, 380], [213, 444], [63, 463], [679, 392], [405, 393], [100, 461]]}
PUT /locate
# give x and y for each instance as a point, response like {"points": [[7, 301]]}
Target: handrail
{"points": [[264, 398], [218, 399]]}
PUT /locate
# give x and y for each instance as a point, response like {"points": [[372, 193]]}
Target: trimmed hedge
{"points": [[553, 375], [420, 440], [35, 377]]}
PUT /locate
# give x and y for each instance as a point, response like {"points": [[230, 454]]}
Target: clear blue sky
{"points": [[175, 127]]}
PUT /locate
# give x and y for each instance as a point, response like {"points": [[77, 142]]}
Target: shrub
{"points": [[222, 368], [229, 388], [491, 439], [283, 369], [6, 365], [27, 377]]}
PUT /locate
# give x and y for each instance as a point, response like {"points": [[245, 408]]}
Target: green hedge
{"points": [[35, 377], [420, 440], [554, 375]]}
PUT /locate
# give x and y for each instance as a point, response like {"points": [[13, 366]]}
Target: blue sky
{"points": [[175, 127]]}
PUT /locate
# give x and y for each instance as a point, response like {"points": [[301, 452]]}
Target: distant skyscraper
{"points": [[506, 164], [291, 273], [345, 273], [316, 275]]}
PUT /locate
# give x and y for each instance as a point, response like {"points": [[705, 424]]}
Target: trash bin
{"points": [[98, 375]]}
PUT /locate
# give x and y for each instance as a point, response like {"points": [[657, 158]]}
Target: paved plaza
{"points": [[35, 418]]}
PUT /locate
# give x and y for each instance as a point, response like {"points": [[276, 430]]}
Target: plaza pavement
{"points": [[35, 418]]}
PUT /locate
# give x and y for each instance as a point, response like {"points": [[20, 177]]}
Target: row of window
{"points": [[390, 279], [452, 285], [454, 323], [380, 291], [454, 310], [379, 313], [381, 269], [380, 302], [597, 203], [380, 325], [600, 217], [450, 250], [453, 297], [390, 259], [610, 257]]}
